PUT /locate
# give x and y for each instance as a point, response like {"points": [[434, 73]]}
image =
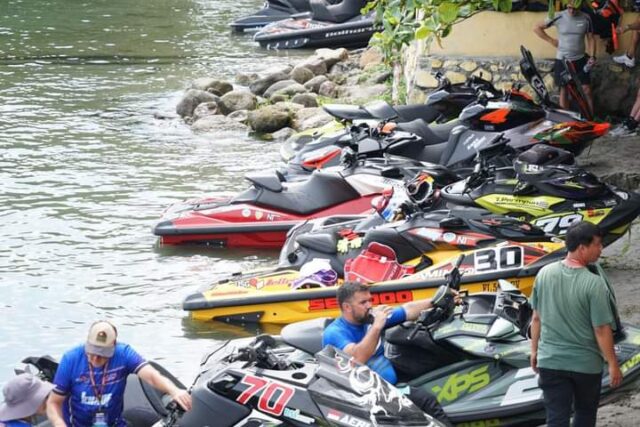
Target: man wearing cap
{"points": [[91, 378], [24, 396]]}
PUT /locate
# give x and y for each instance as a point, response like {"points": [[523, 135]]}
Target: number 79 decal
{"points": [[273, 395], [558, 224]]}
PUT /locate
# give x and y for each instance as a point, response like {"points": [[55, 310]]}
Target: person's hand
{"points": [[534, 362], [622, 29], [183, 398], [554, 42], [591, 61], [457, 299], [380, 315], [615, 375]]}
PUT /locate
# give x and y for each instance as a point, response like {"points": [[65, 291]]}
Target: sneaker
{"points": [[625, 60]]}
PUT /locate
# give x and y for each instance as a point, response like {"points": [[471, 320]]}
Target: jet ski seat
{"points": [[306, 335], [272, 182], [347, 112], [321, 242], [337, 13], [390, 237], [430, 134], [322, 190]]}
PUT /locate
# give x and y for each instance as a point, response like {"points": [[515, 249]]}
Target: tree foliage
{"points": [[403, 21]]}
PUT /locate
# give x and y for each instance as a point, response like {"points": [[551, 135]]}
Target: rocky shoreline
{"points": [[286, 100]]}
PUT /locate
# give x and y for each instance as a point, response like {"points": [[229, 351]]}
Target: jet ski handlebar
{"points": [[259, 352], [443, 302]]}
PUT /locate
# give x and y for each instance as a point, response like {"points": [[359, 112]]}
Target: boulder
{"points": [[310, 118], [292, 90], [306, 99], [289, 107], [269, 119], [237, 100], [373, 55], [205, 109], [239, 116], [218, 123], [316, 65], [363, 93], [245, 79], [380, 77], [283, 134], [277, 97], [314, 84], [328, 88], [282, 84], [332, 56], [301, 74], [191, 99], [214, 86], [259, 86]]}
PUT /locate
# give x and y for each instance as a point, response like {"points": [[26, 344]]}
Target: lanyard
{"points": [[98, 394]]}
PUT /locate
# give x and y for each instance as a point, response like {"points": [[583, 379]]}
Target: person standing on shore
{"points": [[91, 378], [573, 320], [573, 28]]}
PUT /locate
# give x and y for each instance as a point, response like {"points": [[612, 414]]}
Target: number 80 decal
{"points": [[273, 395]]}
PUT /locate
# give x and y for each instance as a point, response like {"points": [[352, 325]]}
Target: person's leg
{"points": [[428, 403], [635, 39], [589, 94], [557, 391], [587, 394], [635, 110], [564, 98]]}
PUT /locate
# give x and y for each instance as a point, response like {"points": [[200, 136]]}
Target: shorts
{"points": [[578, 65]]}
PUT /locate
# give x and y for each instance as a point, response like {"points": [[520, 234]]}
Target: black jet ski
{"points": [[329, 25], [272, 11]]}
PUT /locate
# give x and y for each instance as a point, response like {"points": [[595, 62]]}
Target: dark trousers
{"points": [[564, 389], [428, 403]]}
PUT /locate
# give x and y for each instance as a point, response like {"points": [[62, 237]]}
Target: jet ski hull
{"points": [[269, 297], [239, 225], [307, 33]]}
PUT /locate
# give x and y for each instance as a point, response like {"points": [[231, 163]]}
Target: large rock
{"points": [[205, 109], [310, 118], [283, 134], [214, 86], [363, 93], [371, 56], [305, 99], [237, 100], [314, 84], [245, 79], [328, 88], [291, 90], [332, 56], [239, 116], [191, 99], [289, 107], [218, 123], [301, 74], [269, 119], [316, 65], [262, 84], [282, 84]]}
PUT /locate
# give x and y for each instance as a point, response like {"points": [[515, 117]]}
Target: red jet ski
{"points": [[261, 216]]}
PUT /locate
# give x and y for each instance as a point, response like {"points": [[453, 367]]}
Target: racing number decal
{"points": [[266, 401], [493, 259], [524, 390], [558, 224]]}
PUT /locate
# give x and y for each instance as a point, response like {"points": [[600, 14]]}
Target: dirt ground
{"points": [[618, 161]]}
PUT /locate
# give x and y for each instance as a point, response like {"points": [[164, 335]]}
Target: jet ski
{"points": [[260, 216], [272, 11], [329, 25], [414, 256], [547, 189]]}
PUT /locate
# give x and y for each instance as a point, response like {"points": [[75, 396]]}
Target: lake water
{"points": [[86, 170]]}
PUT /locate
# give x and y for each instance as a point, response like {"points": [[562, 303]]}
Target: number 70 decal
{"points": [[273, 395]]}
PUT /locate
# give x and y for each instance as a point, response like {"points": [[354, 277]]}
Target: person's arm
{"points": [[54, 409], [535, 338], [540, 30], [363, 350], [604, 336], [592, 46], [634, 26], [151, 375], [414, 308]]}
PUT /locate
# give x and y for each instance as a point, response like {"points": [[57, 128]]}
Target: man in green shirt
{"points": [[572, 329]]}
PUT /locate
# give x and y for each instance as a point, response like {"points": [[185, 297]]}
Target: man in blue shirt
{"points": [[358, 332], [91, 378]]}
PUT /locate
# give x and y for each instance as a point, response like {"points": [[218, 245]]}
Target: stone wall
{"points": [[614, 86]]}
